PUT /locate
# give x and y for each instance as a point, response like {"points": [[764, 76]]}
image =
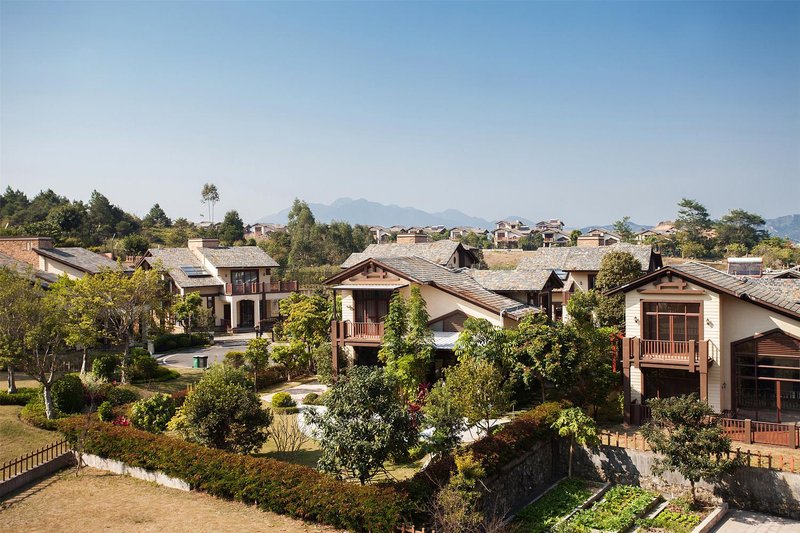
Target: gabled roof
{"points": [[238, 256], [789, 273], [457, 282], [79, 259], [172, 259], [27, 271], [574, 258], [516, 280], [438, 252], [782, 296]]}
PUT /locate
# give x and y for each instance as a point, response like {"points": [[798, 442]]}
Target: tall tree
{"points": [[307, 322], [624, 230], [546, 352], [156, 217], [573, 237], [616, 269], [256, 356], [740, 227], [479, 391], [83, 309], [190, 312], [303, 232], [693, 224], [15, 292], [232, 228], [210, 196]]}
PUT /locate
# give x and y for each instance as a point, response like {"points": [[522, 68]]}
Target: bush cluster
{"points": [[21, 397], [68, 394], [171, 341], [105, 412], [282, 399], [272, 485], [105, 366], [152, 414]]}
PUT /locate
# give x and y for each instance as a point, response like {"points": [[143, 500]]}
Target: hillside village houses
{"points": [[235, 281]]}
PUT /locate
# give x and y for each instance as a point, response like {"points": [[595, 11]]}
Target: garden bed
{"points": [[555, 504], [616, 512], [679, 516]]}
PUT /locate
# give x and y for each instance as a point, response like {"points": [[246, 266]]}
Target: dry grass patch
{"points": [[18, 438], [100, 501], [187, 377]]}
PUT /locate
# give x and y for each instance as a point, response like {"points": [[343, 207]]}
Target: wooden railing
{"points": [[667, 349], [33, 459], [692, 354], [256, 287], [363, 330]]}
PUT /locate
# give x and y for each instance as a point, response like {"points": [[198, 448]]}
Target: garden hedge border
{"points": [[272, 485]]}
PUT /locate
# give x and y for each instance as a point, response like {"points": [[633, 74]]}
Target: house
{"points": [[579, 266], [598, 237], [508, 237], [235, 281], [380, 234], [45, 279], [733, 340], [445, 252], [552, 224], [40, 253], [530, 287], [460, 232], [263, 231], [552, 237], [789, 273], [452, 295]]}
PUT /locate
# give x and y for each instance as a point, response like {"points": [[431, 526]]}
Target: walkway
{"points": [[737, 521], [236, 342]]}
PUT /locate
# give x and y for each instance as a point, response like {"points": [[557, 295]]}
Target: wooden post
{"points": [[793, 435], [748, 429], [692, 362], [335, 345], [626, 380]]}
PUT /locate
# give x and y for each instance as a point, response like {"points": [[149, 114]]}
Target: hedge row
{"points": [[272, 485], [171, 341], [21, 397]]}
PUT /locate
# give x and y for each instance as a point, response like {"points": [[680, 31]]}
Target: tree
{"points": [[530, 242], [125, 300], [692, 225], [624, 230], [223, 412], [742, 228], [365, 423], [257, 356], [546, 352], [135, 245], [293, 356], [156, 217], [189, 311], [616, 269], [407, 346], [307, 322], [210, 196], [15, 293], [579, 427], [457, 504], [443, 418], [573, 237], [581, 307], [688, 439], [483, 341], [232, 228], [479, 392], [304, 234], [84, 312]]}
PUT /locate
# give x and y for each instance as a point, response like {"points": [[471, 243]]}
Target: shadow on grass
{"points": [[307, 458]]}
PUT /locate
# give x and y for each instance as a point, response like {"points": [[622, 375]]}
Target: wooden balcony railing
{"points": [[692, 355], [370, 332], [256, 287]]}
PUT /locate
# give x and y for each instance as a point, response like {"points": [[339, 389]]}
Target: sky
{"points": [[580, 111]]}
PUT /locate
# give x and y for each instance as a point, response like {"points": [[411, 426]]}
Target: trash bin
{"points": [[200, 361]]}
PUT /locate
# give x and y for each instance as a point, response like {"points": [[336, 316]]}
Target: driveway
{"points": [[737, 521], [223, 344]]}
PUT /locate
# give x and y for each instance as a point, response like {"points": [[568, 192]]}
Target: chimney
{"points": [[590, 241], [24, 248], [412, 238], [194, 244]]}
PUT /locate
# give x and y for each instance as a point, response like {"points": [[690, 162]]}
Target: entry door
{"points": [[247, 314]]}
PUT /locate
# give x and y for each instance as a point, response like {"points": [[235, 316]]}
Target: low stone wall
{"points": [[754, 489], [519, 481], [118, 467], [34, 474]]}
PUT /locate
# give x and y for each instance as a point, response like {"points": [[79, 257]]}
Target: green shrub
{"points": [[543, 514], [282, 399], [271, 375], [152, 414], [21, 397], [34, 413], [272, 485], [68, 394], [105, 412], [617, 511], [184, 341], [121, 396], [171, 341], [105, 366], [234, 359], [143, 366], [323, 361], [310, 399], [137, 351]]}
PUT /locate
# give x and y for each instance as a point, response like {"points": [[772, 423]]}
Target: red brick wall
{"points": [[21, 248]]}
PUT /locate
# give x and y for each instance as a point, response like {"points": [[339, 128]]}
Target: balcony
{"points": [[260, 287], [357, 333], [692, 355]]}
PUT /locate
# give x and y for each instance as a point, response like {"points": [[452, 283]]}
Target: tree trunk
{"points": [[571, 449], [125, 362], [83, 361], [694, 496], [541, 382], [49, 409], [12, 382]]}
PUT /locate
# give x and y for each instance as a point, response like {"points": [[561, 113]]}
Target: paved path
{"points": [[216, 353], [737, 521]]}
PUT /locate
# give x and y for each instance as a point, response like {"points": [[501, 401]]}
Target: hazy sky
{"points": [[582, 111]]}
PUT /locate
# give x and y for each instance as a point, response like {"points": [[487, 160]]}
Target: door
{"points": [[247, 314]]}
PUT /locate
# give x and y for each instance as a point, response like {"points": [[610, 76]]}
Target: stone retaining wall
{"points": [[519, 481], [118, 467], [34, 474]]}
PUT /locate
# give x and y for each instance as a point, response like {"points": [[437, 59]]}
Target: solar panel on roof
{"points": [[195, 271]]}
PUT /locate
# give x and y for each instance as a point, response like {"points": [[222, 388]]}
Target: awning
{"points": [[369, 286], [445, 340]]}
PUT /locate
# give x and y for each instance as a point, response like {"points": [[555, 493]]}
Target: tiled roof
{"points": [[171, 259], [24, 269], [574, 258], [79, 258], [789, 273], [459, 282], [776, 293], [512, 280], [238, 256], [438, 252]]}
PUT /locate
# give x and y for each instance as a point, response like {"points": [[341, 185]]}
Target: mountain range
{"points": [[362, 211]]}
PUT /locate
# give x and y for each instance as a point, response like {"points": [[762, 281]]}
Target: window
{"points": [[671, 321], [371, 306], [592, 279], [240, 277]]}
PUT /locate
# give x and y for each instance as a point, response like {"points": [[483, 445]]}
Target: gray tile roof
{"points": [[759, 290], [512, 280], [457, 281], [575, 258], [438, 252], [171, 259], [788, 273], [24, 269], [238, 256], [79, 258]]}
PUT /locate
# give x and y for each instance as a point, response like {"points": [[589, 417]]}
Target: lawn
{"points": [[100, 501], [187, 377], [18, 438]]}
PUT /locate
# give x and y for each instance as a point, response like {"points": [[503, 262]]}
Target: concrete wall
{"points": [[755, 489], [118, 467], [58, 268], [34, 474]]}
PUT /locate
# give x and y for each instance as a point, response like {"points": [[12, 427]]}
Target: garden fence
{"points": [[33, 459]]}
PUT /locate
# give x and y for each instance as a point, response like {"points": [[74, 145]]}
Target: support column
{"points": [[335, 347], [234, 314], [256, 313], [702, 355], [626, 379]]}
